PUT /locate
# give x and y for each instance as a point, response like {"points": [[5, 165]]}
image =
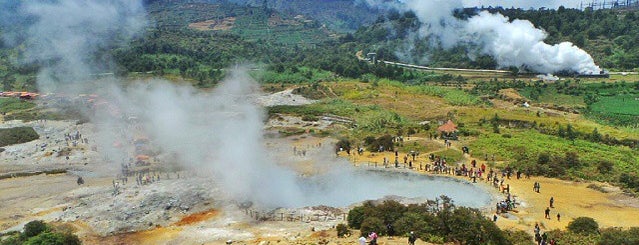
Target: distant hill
{"points": [[339, 15], [253, 23]]}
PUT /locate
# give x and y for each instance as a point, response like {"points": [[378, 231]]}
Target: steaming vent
{"points": [[512, 43]]}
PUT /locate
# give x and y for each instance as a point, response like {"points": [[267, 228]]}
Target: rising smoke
{"points": [[67, 36], [218, 133], [511, 43]]}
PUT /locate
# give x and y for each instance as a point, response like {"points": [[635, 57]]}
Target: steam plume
{"points": [[68, 34], [512, 43], [216, 133]]}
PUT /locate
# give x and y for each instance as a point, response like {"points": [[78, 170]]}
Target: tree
{"points": [[605, 167], [590, 99], [583, 225], [543, 158], [571, 160], [571, 134], [372, 224], [412, 222], [561, 132], [33, 228], [595, 136]]}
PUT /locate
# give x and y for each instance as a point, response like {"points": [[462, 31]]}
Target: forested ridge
{"points": [[280, 42]]}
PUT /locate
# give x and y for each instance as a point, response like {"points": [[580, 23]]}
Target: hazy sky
{"points": [[525, 4]]}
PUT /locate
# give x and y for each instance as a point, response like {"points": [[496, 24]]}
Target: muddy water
{"points": [[339, 190]]}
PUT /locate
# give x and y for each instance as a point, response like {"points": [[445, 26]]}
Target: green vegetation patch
{"points": [[525, 147], [550, 95], [624, 104], [37, 232], [451, 155], [293, 75], [19, 135], [435, 221], [8, 105], [450, 95], [370, 119]]}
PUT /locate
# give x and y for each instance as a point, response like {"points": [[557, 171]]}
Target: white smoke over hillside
{"points": [[512, 43], [217, 133], [67, 34]]}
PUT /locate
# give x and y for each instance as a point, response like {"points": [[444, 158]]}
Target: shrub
{"points": [[372, 224], [309, 118], [629, 180], [614, 236], [412, 222], [518, 237], [355, 217], [373, 144], [583, 225], [343, 144], [390, 212], [342, 230], [33, 228], [605, 167], [48, 238]]}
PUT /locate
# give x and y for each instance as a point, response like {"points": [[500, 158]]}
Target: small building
{"points": [[448, 130], [371, 57]]}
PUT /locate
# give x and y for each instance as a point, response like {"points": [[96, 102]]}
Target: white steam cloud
{"points": [[217, 133], [512, 43], [67, 35]]}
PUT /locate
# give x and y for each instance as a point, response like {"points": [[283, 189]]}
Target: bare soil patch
{"points": [[214, 25]]}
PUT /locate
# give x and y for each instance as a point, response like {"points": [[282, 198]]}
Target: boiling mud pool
{"points": [[343, 190]]}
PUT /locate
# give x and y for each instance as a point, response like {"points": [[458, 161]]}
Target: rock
{"points": [[184, 207]]}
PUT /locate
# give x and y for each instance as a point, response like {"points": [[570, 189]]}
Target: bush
{"points": [[342, 230], [48, 238], [614, 236], [605, 167], [629, 180], [584, 225], [518, 237], [372, 224], [18, 135], [39, 233], [373, 144], [309, 118], [343, 144], [412, 222], [357, 215], [34, 228]]}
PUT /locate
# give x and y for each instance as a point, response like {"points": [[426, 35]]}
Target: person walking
{"points": [[558, 217], [547, 213], [373, 237], [412, 238], [362, 240], [552, 200]]}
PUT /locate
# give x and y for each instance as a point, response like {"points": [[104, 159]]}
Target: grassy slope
{"points": [[368, 103]]}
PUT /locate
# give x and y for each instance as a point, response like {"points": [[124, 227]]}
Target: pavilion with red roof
{"points": [[448, 130]]}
